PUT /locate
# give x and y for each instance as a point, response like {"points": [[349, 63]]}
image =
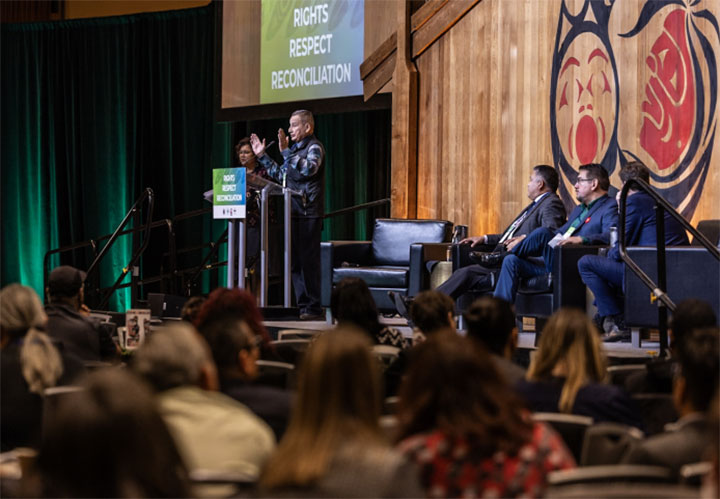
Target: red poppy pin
{"points": [[587, 219]]}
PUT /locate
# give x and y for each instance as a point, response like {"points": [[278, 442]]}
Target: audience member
{"points": [[212, 431], [352, 304], [546, 210], [69, 319], [29, 363], [687, 440], [658, 375], [467, 431], [432, 311], [589, 223], [191, 308], [108, 440], [224, 304], [334, 446], [491, 324], [235, 350], [567, 372], [604, 276]]}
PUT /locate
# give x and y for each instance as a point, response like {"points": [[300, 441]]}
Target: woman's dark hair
{"points": [[490, 321], [225, 304], [431, 311], [453, 386], [351, 302], [245, 141], [109, 440]]}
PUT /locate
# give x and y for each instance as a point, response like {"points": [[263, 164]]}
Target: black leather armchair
{"points": [[393, 261], [539, 297], [692, 272]]}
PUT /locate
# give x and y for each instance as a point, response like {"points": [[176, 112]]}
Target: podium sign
{"points": [[229, 199]]}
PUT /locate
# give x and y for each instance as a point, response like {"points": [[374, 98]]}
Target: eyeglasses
{"points": [[580, 179]]}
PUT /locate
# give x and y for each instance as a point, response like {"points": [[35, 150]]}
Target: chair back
{"points": [[571, 428], [218, 483], [625, 473], [606, 443], [386, 354], [52, 397], [710, 229], [277, 374], [290, 351], [392, 238], [693, 474], [618, 374], [296, 334], [656, 410]]}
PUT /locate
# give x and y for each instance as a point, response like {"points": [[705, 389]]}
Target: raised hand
{"points": [[258, 147], [283, 141]]}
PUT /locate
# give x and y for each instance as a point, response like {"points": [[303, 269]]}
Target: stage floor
{"points": [[618, 353]]}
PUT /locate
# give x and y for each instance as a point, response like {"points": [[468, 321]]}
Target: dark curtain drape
{"points": [[94, 111]]}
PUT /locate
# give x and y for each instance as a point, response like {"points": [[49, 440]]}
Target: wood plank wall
{"points": [[484, 114]]}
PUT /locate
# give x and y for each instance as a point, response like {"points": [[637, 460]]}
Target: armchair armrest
{"points": [[420, 253], [333, 254]]}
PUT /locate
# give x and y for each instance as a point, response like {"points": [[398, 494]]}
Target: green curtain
{"points": [[94, 111]]}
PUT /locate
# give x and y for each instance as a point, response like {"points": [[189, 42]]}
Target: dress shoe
{"points": [[615, 336], [615, 329]]}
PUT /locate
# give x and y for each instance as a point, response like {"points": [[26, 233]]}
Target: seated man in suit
{"points": [[694, 387], [589, 223], [546, 210], [604, 275]]}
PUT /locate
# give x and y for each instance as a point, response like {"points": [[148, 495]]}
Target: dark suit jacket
{"points": [[685, 444], [80, 336], [640, 226], [549, 212], [598, 401], [596, 226]]}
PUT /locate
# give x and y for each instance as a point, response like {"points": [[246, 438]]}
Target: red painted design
{"points": [[586, 139], [587, 220], [670, 106]]}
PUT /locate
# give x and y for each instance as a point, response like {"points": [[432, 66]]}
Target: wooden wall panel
{"points": [[485, 112]]}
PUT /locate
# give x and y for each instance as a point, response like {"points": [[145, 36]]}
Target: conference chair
{"points": [[570, 427], [394, 260], [606, 443], [693, 474], [656, 410], [618, 374], [289, 351], [277, 374], [617, 473]]}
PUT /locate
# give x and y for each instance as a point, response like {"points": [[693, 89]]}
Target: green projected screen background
{"points": [[310, 49]]}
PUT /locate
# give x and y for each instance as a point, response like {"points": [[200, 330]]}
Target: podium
{"points": [[237, 238]]}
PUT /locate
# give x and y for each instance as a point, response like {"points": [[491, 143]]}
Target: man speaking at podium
{"points": [[301, 171]]}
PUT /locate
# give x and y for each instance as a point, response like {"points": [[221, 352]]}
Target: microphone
{"points": [[268, 145]]}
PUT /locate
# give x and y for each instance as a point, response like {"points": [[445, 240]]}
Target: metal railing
{"points": [[658, 289]]}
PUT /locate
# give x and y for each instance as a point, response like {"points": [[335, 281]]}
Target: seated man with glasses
{"points": [[589, 223]]}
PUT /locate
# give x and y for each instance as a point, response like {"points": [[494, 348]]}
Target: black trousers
{"points": [[306, 235], [470, 278]]}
